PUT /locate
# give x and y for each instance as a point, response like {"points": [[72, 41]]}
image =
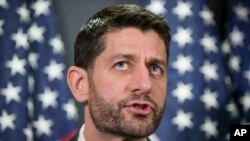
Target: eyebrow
{"points": [[158, 61], [132, 57], [122, 55]]}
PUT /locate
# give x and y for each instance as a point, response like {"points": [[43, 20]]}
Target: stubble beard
{"points": [[108, 117]]}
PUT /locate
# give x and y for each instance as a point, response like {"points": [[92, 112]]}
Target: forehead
{"points": [[135, 40]]}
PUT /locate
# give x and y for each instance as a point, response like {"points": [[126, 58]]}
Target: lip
{"points": [[140, 107]]}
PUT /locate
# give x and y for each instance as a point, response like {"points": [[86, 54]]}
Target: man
{"points": [[121, 55]]}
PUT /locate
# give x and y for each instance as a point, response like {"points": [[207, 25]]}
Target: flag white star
{"points": [[157, 6], [4, 4], [31, 83], [183, 120], [183, 36], [245, 101], [183, 64], [41, 7], [24, 13], [28, 133], [183, 92], [1, 26], [236, 37], [57, 44], [209, 127], [70, 110], [7, 120], [207, 15], [227, 137], [33, 60], [21, 39], [16, 65], [183, 9], [36, 33], [241, 12], [54, 70], [30, 107], [246, 74], [48, 98], [209, 43], [228, 80], [43, 126], [209, 98], [232, 109], [209, 71], [11, 93], [226, 47], [244, 121], [234, 63]]}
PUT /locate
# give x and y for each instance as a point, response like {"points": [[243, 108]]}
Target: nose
{"points": [[140, 81]]}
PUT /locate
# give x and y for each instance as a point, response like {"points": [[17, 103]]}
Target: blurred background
{"points": [[208, 70]]}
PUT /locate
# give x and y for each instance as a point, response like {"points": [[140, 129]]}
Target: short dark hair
{"points": [[90, 40]]}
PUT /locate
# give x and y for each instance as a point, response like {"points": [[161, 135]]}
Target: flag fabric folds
{"points": [[35, 101], [238, 54], [208, 77]]}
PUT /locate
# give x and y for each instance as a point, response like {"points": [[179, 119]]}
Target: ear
{"points": [[77, 79]]}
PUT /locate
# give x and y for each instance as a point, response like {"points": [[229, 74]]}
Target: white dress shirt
{"points": [[81, 137]]}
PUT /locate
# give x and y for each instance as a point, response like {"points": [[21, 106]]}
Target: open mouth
{"points": [[139, 107]]}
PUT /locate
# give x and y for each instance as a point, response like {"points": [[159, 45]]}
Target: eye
{"points": [[122, 65], [154, 69]]}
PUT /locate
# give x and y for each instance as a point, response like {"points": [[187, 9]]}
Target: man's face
{"points": [[128, 83]]}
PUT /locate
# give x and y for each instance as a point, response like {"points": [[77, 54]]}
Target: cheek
{"points": [[109, 88], [160, 92], [161, 98]]}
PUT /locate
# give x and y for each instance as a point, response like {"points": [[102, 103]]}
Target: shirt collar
{"points": [[81, 137]]}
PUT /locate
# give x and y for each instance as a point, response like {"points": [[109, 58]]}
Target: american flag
{"points": [[208, 78], [238, 30], [35, 103]]}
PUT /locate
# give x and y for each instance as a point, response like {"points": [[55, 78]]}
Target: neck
{"points": [[97, 136]]}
